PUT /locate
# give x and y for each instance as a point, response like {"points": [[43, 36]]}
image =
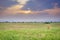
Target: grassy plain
{"points": [[29, 31]]}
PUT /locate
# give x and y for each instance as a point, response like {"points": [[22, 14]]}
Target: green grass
{"points": [[29, 31]]}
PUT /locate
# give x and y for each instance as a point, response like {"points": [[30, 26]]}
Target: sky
{"points": [[30, 10]]}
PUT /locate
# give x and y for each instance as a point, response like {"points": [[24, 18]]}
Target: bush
{"points": [[47, 22]]}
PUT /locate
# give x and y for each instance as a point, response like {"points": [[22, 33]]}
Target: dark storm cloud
{"points": [[49, 1], [41, 4], [7, 3]]}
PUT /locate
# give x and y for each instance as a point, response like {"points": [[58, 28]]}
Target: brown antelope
{"points": [[49, 26]]}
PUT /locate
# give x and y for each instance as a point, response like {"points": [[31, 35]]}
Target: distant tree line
{"points": [[29, 22]]}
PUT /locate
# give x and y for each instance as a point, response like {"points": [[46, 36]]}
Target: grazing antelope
{"points": [[48, 26]]}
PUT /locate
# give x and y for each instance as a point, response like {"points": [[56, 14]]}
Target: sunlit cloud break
{"points": [[15, 9], [21, 2]]}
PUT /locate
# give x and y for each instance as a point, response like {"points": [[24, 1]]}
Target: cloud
{"points": [[15, 9], [7, 3], [52, 11], [21, 2], [55, 10], [2, 10]]}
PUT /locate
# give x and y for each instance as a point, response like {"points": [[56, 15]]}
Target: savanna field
{"points": [[29, 31]]}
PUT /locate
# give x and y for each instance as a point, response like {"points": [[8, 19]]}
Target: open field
{"points": [[29, 31]]}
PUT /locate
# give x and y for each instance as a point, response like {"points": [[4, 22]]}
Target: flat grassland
{"points": [[29, 31]]}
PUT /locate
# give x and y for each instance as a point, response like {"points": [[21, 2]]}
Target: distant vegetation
{"points": [[47, 22]]}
